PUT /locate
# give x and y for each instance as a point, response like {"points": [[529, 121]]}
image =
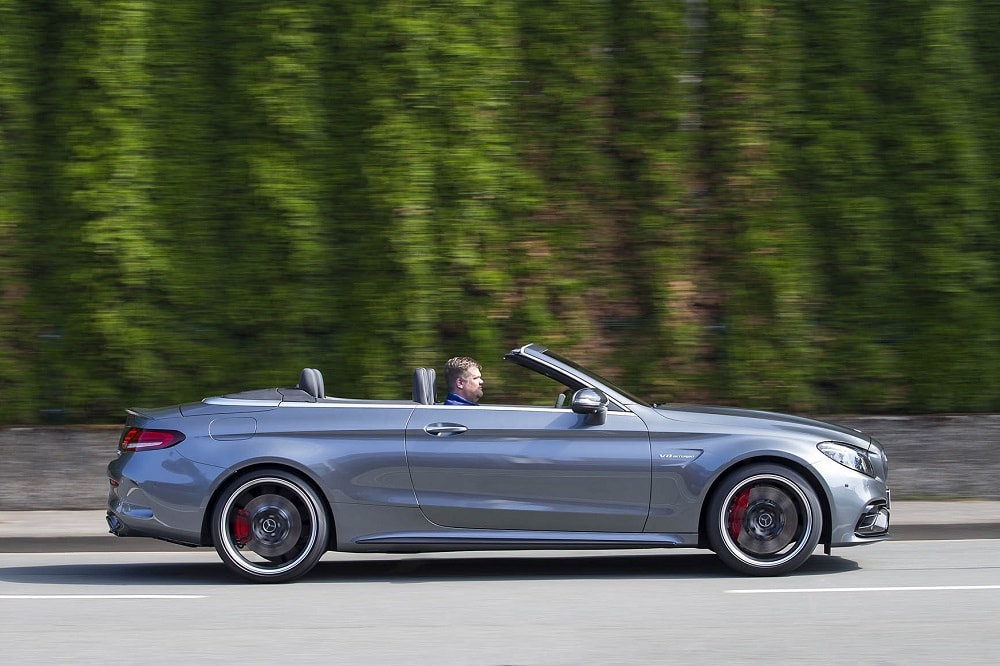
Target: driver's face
{"points": [[470, 385]]}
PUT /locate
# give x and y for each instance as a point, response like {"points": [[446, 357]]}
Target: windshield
{"points": [[590, 373]]}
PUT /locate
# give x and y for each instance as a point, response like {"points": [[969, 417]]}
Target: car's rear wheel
{"points": [[270, 526], [764, 520]]}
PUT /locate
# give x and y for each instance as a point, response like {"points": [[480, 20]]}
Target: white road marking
{"points": [[810, 590], [102, 596]]}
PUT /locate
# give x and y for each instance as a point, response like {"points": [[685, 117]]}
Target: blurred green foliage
{"points": [[784, 204]]}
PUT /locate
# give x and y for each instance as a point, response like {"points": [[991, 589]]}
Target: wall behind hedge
{"points": [[782, 204]]}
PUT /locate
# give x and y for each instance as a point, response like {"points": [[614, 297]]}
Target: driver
{"points": [[464, 378]]}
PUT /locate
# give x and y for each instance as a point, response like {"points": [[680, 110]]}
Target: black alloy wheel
{"points": [[764, 520], [270, 526]]}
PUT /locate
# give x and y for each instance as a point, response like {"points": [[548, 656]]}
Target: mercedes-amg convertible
{"points": [[274, 478]]}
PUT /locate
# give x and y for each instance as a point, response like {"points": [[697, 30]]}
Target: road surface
{"points": [[896, 602]]}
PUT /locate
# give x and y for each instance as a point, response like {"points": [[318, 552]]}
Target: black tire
{"points": [[269, 526], [764, 520]]}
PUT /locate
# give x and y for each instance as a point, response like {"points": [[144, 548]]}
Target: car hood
{"points": [[726, 417]]}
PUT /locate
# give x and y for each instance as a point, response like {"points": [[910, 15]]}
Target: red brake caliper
{"points": [[241, 528], [738, 508]]}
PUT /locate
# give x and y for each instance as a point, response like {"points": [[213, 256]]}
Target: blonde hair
{"points": [[457, 367]]}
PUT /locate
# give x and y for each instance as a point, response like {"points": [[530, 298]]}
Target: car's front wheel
{"points": [[270, 526], [764, 520]]}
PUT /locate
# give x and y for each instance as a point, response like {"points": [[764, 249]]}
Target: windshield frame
{"points": [[581, 370]]}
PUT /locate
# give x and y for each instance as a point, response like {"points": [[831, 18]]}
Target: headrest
{"points": [[423, 385], [311, 381]]}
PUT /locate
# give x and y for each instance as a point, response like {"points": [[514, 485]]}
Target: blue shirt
{"points": [[453, 399]]}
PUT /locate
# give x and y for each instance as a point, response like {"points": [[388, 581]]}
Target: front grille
{"points": [[880, 463]]}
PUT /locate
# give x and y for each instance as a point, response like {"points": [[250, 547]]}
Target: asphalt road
{"points": [[897, 602]]}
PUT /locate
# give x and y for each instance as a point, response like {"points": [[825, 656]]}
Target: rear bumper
{"points": [[169, 507]]}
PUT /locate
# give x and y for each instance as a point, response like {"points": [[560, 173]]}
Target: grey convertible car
{"points": [[275, 478]]}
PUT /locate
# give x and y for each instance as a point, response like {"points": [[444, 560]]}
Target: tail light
{"points": [[141, 439]]}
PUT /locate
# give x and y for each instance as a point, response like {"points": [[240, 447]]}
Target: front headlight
{"points": [[848, 456]]}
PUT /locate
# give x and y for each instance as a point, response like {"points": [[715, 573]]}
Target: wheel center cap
{"points": [[270, 525], [765, 520]]}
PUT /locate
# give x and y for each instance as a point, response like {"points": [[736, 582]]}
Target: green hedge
{"points": [[784, 204]]}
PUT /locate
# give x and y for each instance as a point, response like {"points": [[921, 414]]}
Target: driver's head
{"points": [[464, 377]]}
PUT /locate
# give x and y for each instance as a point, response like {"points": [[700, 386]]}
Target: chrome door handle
{"points": [[444, 429]]}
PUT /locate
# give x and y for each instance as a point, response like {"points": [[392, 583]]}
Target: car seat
{"points": [[423, 386], [311, 381]]}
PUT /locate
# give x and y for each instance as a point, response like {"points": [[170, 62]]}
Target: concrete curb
{"points": [[76, 524]]}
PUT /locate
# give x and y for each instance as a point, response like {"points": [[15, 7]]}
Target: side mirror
{"points": [[593, 403]]}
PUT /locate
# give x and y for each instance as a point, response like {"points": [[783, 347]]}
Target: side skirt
{"points": [[456, 540]]}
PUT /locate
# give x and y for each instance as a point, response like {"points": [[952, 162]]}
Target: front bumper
{"points": [[874, 522], [860, 514]]}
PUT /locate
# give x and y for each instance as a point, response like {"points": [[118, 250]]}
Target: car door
{"points": [[529, 468]]}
